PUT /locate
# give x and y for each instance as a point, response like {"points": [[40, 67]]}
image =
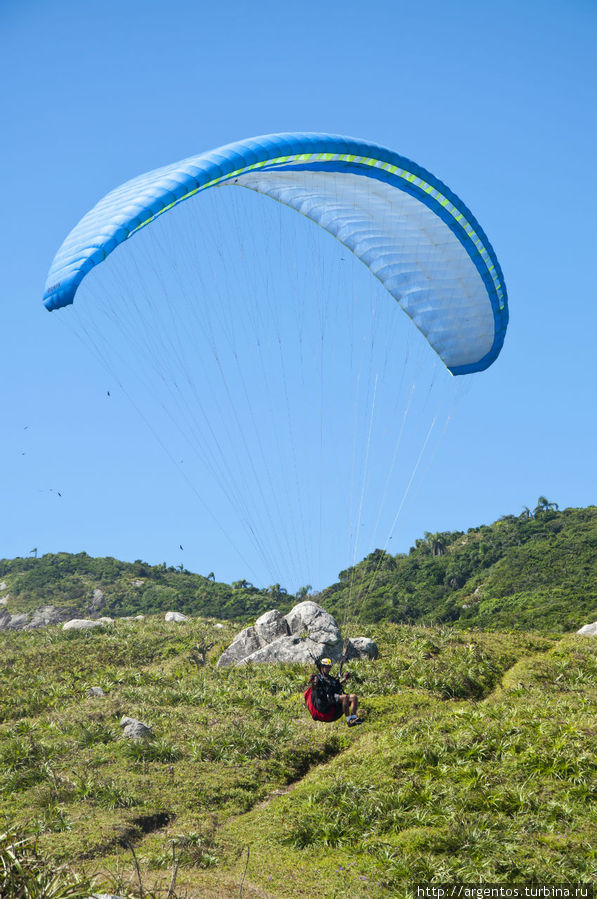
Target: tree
{"points": [[438, 542], [544, 505]]}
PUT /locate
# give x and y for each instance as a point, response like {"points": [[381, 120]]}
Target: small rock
{"points": [[176, 616], [105, 896], [135, 730], [218, 625], [79, 624], [95, 691]]}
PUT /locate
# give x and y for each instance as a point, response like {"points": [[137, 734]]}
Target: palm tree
{"points": [[437, 542], [544, 505]]}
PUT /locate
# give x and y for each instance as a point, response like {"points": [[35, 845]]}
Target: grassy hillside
{"points": [[535, 571], [476, 762]]}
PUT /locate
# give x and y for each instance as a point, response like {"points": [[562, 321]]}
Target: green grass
{"points": [[475, 763]]}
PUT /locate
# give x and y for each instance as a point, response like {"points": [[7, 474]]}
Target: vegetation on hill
{"points": [[475, 763], [69, 580], [537, 570]]}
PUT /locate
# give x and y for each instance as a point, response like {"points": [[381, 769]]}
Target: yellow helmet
{"points": [[327, 662]]}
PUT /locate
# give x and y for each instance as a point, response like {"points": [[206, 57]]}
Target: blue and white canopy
{"points": [[415, 235]]}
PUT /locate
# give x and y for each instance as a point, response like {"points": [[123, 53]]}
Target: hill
{"points": [[475, 763], [534, 571], [85, 585]]}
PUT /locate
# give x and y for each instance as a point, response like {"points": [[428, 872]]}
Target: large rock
{"points": [[271, 626], [310, 619], [361, 648], [305, 634], [243, 645], [588, 630], [291, 649]]}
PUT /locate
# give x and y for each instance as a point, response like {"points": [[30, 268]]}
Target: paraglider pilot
{"points": [[326, 699]]}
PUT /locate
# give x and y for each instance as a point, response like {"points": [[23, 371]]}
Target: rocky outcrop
{"points": [[98, 601], [47, 615], [24, 621], [10, 622], [305, 634], [588, 630]]}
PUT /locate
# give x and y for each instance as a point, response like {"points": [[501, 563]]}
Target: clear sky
{"points": [[498, 100]]}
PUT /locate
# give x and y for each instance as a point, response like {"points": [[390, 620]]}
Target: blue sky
{"points": [[498, 100]]}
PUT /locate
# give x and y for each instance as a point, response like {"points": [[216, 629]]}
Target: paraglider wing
{"points": [[414, 234]]}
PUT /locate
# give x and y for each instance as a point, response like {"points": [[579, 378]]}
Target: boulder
{"points": [[305, 634], [135, 730], [310, 619], [243, 645], [588, 630], [361, 648], [176, 616], [289, 649], [271, 626]]}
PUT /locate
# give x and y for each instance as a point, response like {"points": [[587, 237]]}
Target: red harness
{"points": [[334, 713]]}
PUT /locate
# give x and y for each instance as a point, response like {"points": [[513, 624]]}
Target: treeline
{"points": [[533, 571]]}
